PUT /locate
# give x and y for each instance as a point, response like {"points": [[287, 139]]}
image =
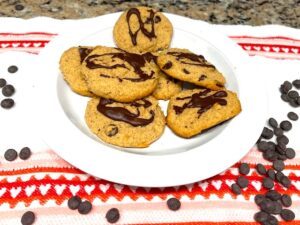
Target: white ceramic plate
{"points": [[171, 160]]}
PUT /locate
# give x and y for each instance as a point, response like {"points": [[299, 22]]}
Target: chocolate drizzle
{"points": [[150, 20], [202, 101], [83, 52], [134, 60], [197, 60], [124, 115]]}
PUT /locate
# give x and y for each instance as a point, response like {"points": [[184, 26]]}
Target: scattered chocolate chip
{"points": [[19, 7], [286, 200], [285, 181], [242, 182], [84, 207], [290, 153], [186, 71], [28, 218], [267, 133], [273, 123], [272, 220], [25, 153], [287, 215], [112, 215], [281, 157], [202, 77], [270, 155], [271, 145], [263, 146], [273, 195], [8, 90], [282, 139], [268, 183], [74, 202], [296, 84], [281, 148], [111, 130], [293, 94], [173, 204], [10, 155], [286, 125], [258, 199], [168, 65], [244, 168], [271, 174], [278, 131], [261, 216], [267, 205], [278, 208], [293, 116], [294, 103], [7, 103], [285, 97], [298, 101], [261, 169], [12, 69], [286, 87], [279, 176], [278, 165], [2, 82]]}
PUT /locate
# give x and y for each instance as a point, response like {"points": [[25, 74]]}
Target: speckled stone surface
{"points": [[251, 12]]}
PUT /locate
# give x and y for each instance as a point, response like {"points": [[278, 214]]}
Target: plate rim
{"points": [[165, 177]]}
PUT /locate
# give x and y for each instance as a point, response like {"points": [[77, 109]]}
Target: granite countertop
{"points": [[251, 12]]}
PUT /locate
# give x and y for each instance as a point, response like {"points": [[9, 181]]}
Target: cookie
{"points": [[192, 111], [167, 87], [70, 65], [142, 29], [136, 124], [187, 66], [119, 75]]}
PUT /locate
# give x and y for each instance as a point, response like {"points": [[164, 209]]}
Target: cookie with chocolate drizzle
{"points": [[136, 124], [192, 111], [185, 65], [70, 64], [119, 75], [142, 29]]}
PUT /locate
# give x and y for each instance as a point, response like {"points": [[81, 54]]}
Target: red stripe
{"points": [[265, 38]]}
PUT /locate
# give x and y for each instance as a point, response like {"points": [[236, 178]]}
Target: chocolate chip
{"points": [[278, 165], [298, 101], [286, 87], [12, 69], [19, 7], [286, 125], [8, 90], [278, 208], [296, 84], [281, 148], [293, 116], [261, 169], [168, 65], [84, 207], [273, 123], [283, 139], [267, 205], [236, 189], [271, 174], [263, 146], [173, 204], [272, 220], [186, 71], [25, 153], [157, 19], [28, 218], [112, 215], [74, 202], [281, 157], [242, 182], [273, 195], [261, 216], [294, 102], [267, 133], [290, 153], [270, 155], [285, 97], [293, 94], [271, 145], [287, 215], [2, 82], [244, 168], [111, 130], [279, 176], [278, 131], [286, 200], [268, 183], [285, 181], [7, 103], [258, 199], [202, 77], [10, 155]]}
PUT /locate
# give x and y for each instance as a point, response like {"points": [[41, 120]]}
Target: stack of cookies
{"points": [[125, 83]]}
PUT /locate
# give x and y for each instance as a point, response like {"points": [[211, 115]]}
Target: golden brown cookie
{"points": [[122, 76], [70, 65], [136, 124], [184, 65], [142, 29], [192, 111]]}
